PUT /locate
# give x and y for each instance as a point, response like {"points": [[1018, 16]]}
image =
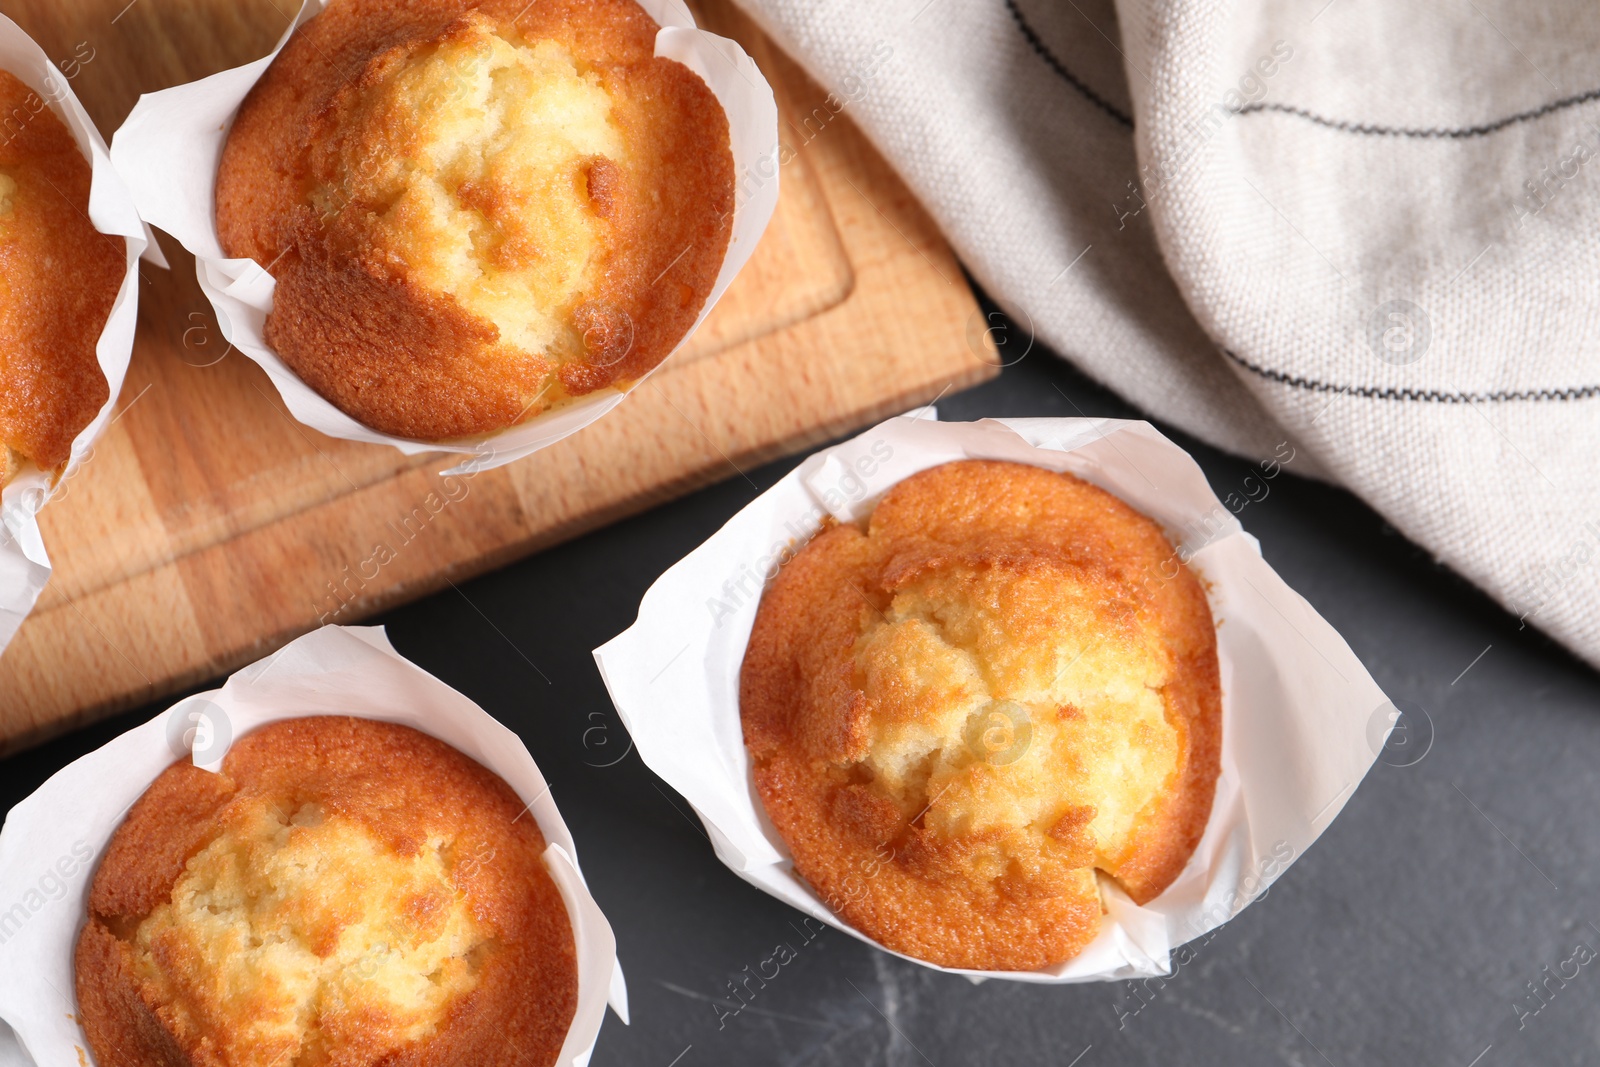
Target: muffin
{"points": [[476, 212], [344, 892], [964, 717], [59, 277]]}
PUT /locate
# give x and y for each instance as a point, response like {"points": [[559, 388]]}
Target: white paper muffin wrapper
{"points": [[53, 840], [24, 564], [1302, 719], [170, 147]]}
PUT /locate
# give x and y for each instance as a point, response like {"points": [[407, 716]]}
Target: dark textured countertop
{"points": [[1408, 934]]}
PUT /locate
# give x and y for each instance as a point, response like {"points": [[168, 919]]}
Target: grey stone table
{"points": [[1415, 931]]}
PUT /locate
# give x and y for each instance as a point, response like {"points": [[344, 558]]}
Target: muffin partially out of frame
{"points": [[59, 278], [966, 716], [343, 892], [476, 212]]}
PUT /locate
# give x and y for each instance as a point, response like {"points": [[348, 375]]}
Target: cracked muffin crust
{"points": [[343, 892], [477, 211], [964, 717], [59, 278]]}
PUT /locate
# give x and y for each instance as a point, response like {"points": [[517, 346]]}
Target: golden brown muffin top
{"points": [[344, 892], [59, 277], [477, 211], [961, 718]]}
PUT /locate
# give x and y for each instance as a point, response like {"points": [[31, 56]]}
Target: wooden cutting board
{"points": [[209, 528]]}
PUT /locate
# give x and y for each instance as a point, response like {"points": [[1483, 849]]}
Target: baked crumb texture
{"points": [[346, 892], [59, 277], [961, 719], [477, 212]]}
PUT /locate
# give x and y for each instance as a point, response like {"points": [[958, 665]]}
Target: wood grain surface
{"points": [[209, 527]]}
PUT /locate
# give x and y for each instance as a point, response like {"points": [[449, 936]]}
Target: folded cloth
{"points": [[1362, 230]]}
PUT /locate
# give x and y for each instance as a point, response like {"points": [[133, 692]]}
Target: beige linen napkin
{"points": [[1366, 228]]}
